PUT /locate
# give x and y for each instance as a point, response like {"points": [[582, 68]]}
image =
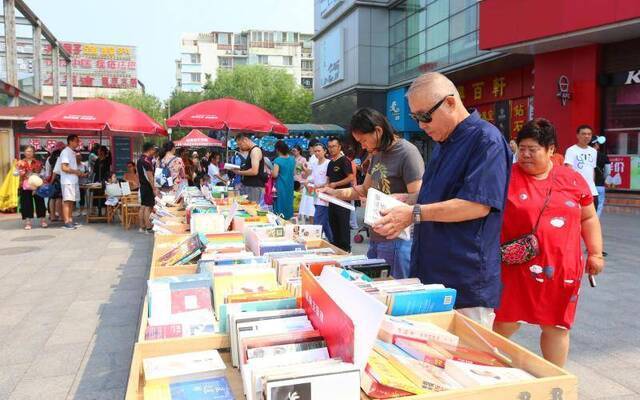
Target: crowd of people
{"points": [[502, 223]]}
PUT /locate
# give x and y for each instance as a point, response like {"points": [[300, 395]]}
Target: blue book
{"points": [[422, 301], [202, 389], [264, 305], [276, 248]]}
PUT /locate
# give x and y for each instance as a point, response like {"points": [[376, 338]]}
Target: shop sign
{"points": [[94, 65], [330, 50], [633, 77], [563, 90], [398, 111], [490, 89], [487, 112], [620, 175], [519, 115]]}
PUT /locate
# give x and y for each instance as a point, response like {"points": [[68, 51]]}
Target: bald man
{"points": [[458, 211]]}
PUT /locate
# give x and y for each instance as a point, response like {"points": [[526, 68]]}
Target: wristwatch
{"points": [[417, 214]]}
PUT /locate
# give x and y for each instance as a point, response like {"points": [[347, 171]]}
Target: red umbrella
{"points": [[195, 138], [227, 114], [100, 115]]}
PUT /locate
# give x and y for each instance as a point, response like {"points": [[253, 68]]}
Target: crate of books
{"points": [[175, 254], [166, 370], [448, 356]]}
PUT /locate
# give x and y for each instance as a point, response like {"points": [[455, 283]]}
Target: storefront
{"points": [[620, 80]]}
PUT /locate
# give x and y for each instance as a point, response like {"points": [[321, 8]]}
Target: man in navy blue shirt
{"points": [[458, 211]]}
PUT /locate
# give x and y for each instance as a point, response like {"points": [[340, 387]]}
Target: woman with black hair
{"points": [[169, 159], [283, 171], [396, 169]]}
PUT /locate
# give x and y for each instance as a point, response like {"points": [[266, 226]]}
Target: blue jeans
{"points": [[395, 252], [600, 204], [321, 217]]}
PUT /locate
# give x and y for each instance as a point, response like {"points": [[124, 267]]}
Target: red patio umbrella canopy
{"points": [[229, 114], [96, 115], [195, 138]]}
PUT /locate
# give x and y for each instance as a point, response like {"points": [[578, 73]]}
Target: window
{"points": [[225, 62], [464, 48], [397, 53], [307, 65], [256, 36], [416, 44], [189, 77], [307, 83], [263, 59], [459, 5], [223, 39], [438, 35], [194, 58], [463, 23], [438, 56], [398, 32], [290, 37], [277, 37], [268, 37], [437, 11], [240, 61], [287, 60]]}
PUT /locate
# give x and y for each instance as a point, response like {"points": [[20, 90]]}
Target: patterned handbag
{"points": [[526, 247]]}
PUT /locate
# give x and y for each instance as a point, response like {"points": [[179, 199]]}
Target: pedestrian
{"points": [[252, 170], [318, 179], [188, 165], [170, 160], [53, 178], [91, 159], [83, 167], [513, 145], [459, 209], [101, 174], [131, 176], [554, 204], [216, 178], [583, 158], [396, 169], [603, 169], [27, 167], [69, 180], [148, 191], [340, 176], [197, 169], [284, 167]]}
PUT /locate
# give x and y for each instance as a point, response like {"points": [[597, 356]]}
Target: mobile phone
{"points": [[592, 281]]}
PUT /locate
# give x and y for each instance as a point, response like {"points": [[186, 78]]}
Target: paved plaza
{"points": [[70, 304]]}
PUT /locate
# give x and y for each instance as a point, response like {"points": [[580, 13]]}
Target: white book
{"points": [[182, 364], [392, 326], [378, 202], [472, 375], [336, 201], [230, 166]]}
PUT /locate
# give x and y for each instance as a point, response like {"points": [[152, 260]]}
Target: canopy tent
{"points": [[196, 138], [315, 129], [99, 115]]}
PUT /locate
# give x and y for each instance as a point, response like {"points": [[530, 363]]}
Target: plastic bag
{"points": [[9, 190]]}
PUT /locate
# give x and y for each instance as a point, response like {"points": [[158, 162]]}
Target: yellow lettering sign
{"points": [[477, 90], [499, 84]]}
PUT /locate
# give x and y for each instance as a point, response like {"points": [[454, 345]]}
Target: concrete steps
{"points": [[622, 203]]}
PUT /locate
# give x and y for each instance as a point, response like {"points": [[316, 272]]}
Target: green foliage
{"points": [[274, 90], [146, 103], [180, 100]]}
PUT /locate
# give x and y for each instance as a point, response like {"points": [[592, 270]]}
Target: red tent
{"points": [[105, 116], [196, 138], [230, 114]]}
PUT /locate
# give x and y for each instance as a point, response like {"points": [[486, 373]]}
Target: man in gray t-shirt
{"points": [[396, 168]]}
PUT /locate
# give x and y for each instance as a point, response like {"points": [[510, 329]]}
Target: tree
{"points": [[274, 90], [146, 103], [180, 100]]}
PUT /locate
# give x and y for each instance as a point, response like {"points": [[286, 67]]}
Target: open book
{"points": [[377, 202]]}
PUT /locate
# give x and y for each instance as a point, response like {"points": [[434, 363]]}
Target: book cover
{"points": [[258, 296], [183, 364], [163, 332], [207, 223], [190, 300], [422, 301], [392, 326], [383, 372], [378, 202], [472, 375], [249, 280], [342, 382], [420, 351], [377, 390], [215, 388], [280, 349], [253, 306]]}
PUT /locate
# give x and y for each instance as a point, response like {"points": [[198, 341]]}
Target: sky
{"points": [[155, 26]]}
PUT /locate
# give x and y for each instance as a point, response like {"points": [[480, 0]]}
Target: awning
{"points": [[315, 129]]}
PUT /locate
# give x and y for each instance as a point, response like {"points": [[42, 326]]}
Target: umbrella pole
{"points": [[226, 156]]}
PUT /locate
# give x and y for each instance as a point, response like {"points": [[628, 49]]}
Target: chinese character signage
{"points": [[504, 86], [330, 51], [519, 115], [95, 65], [620, 175], [398, 111]]}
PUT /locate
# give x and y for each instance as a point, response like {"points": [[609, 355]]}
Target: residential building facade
{"points": [[203, 54]]}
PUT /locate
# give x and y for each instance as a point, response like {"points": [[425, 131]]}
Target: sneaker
{"points": [[77, 224], [69, 226], [142, 230]]}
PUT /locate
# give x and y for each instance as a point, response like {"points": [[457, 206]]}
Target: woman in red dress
{"points": [[26, 167], [544, 290]]}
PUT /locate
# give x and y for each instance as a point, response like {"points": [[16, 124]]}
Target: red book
{"points": [[163, 332], [190, 300], [377, 390], [437, 353]]}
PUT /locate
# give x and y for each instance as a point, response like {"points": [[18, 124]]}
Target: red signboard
{"points": [[487, 112], [490, 89], [519, 115], [620, 176]]}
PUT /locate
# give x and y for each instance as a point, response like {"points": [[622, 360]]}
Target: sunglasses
{"points": [[426, 116]]}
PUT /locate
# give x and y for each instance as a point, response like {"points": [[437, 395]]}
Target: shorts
{"points": [[482, 315], [147, 197], [70, 192]]}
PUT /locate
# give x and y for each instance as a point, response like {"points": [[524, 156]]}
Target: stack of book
{"points": [[187, 251], [180, 306], [409, 296], [195, 375], [419, 357]]}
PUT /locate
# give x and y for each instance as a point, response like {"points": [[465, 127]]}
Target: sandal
{"points": [[27, 227], [44, 225]]}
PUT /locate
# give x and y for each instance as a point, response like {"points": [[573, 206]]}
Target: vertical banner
{"points": [[620, 176], [121, 153], [502, 118], [519, 115]]}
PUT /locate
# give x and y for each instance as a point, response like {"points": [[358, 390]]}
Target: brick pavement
{"points": [[70, 303]]}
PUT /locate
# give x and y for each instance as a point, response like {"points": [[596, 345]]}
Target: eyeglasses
{"points": [[426, 116]]}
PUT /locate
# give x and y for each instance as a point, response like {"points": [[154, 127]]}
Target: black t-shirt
{"points": [[256, 180], [338, 170], [142, 166], [599, 171]]}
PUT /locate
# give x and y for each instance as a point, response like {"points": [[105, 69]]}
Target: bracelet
{"points": [[596, 256]]}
